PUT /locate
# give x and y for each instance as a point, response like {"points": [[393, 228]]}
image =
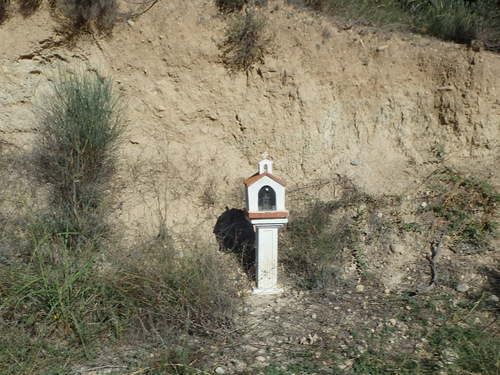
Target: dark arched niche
{"points": [[267, 199]]}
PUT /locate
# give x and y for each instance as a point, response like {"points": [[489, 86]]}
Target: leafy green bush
{"points": [[84, 13], [75, 151], [245, 43]]}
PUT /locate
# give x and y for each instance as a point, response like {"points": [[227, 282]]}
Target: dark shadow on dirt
{"points": [[235, 234]]}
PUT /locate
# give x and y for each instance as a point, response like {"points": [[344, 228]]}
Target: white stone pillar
{"points": [[267, 255]]}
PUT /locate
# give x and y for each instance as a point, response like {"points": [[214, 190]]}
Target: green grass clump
{"points": [[458, 20], [61, 296], [467, 350], [451, 20], [454, 346], [76, 150]]}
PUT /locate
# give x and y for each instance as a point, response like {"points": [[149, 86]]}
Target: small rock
{"points": [[220, 370], [314, 316], [360, 288], [445, 88], [392, 322], [161, 108], [354, 162], [381, 48], [349, 362], [462, 288], [131, 23], [493, 298], [387, 291], [423, 204], [397, 248], [260, 358], [342, 367]]}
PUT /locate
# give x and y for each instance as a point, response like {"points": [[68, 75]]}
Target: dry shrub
{"points": [[171, 290], [27, 7], [246, 43], [312, 247], [85, 13], [3, 10], [229, 6]]}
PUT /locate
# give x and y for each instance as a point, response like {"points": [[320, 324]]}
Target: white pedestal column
{"points": [[267, 255]]}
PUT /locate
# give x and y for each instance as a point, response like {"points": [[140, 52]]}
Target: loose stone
{"points": [[220, 370], [493, 298], [462, 288]]}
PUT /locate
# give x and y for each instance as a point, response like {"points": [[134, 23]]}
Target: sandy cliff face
{"points": [[327, 102]]}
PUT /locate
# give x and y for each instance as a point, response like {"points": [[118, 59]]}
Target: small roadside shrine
{"points": [[265, 209]]}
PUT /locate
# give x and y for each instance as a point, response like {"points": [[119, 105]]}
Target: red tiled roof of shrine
{"points": [[251, 180]]}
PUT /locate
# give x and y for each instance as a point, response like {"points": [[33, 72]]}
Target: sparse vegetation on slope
{"points": [[3, 10], [457, 20], [246, 42], [83, 13], [27, 7], [229, 6], [64, 287]]}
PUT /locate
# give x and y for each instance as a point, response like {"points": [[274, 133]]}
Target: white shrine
{"points": [[265, 209]]}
